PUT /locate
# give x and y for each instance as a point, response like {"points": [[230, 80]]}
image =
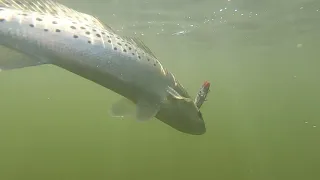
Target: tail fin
{"points": [[202, 94]]}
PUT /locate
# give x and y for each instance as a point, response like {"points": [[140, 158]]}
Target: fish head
{"points": [[182, 115]]}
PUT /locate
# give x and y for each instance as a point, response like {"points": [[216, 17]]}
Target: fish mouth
{"points": [[197, 127], [201, 126]]}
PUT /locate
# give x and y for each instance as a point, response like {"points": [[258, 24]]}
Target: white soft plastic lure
{"points": [[51, 33]]}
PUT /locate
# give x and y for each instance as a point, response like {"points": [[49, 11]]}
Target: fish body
{"points": [[51, 33]]}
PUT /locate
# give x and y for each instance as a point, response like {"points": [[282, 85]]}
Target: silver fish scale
{"points": [[50, 7], [88, 26], [79, 37]]}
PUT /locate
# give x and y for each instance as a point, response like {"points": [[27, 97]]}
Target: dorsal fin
{"points": [[55, 9], [140, 44]]}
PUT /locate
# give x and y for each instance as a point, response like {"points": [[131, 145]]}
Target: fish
{"points": [[50, 33]]}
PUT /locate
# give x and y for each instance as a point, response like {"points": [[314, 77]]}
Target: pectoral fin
{"points": [[174, 93]]}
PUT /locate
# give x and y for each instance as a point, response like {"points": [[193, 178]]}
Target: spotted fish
{"points": [[50, 33]]}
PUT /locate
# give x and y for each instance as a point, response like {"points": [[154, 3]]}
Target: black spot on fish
{"points": [[74, 22], [31, 25], [139, 57], [82, 27], [72, 27], [119, 44], [54, 22], [2, 20], [126, 44], [94, 30], [103, 33], [98, 35], [132, 53], [124, 50], [41, 7], [19, 2], [46, 30], [75, 36], [154, 64], [39, 19], [130, 48], [88, 33], [7, 3], [24, 14], [148, 59], [109, 41], [58, 30], [89, 42], [115, 48]]}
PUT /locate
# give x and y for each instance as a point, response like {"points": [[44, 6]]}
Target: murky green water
{"points": [[262, 116]]}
